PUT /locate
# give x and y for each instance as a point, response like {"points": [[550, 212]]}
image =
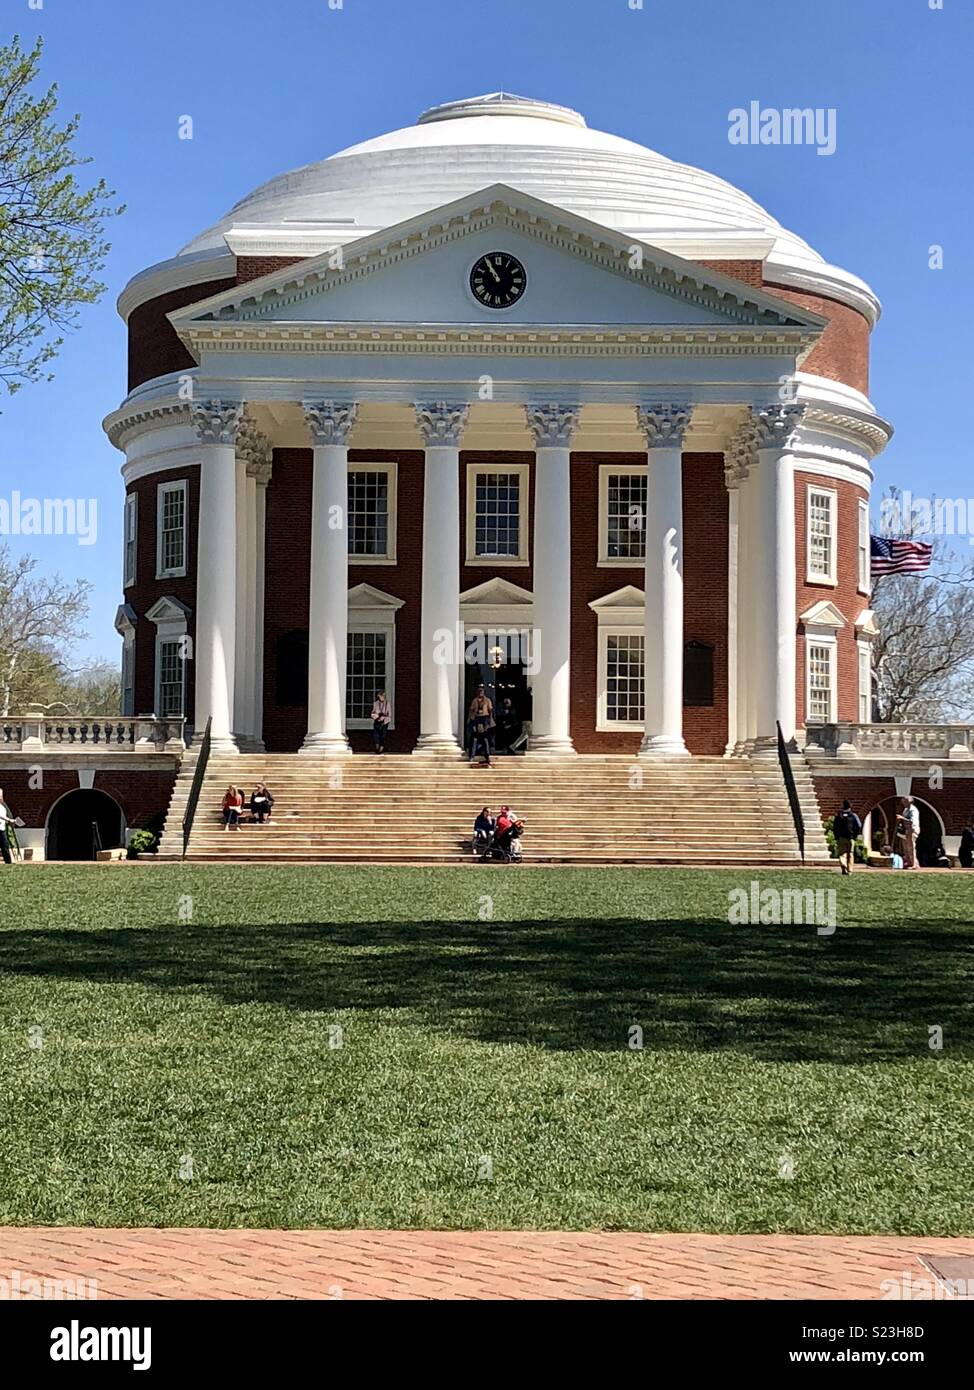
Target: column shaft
{"points": [[216, 602], [328, 605], [258, 664], [441, 638], [551, 638], [663, 656]]}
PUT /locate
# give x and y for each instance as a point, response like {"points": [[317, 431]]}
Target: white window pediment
{"points": [[168, 610], [625, 605], [823, 617], [866, 625], [577, 273], [368, 604], [126, 620], [497, 601]]}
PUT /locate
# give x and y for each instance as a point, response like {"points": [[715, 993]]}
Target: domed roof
{"points": [[541, 149]]}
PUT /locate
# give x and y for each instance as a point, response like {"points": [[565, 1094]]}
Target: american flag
{"points": [[899, 557]]}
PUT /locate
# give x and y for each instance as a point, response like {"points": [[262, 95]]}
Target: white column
{"points": [[553, 427], [263, 476], [242, 684], [441, 659], [752, 543], [217, 423], [330, 424], [733, 483], [777, 428], [664, 427]]}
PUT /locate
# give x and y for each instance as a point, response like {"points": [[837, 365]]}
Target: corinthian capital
{"points": [[330, 422], [776, 426], [441, 423], [254, 448], [553, 426], [739, 453], [664, 425], [217, 422]]}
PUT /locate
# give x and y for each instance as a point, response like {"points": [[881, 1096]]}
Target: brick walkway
{"points": [[152, 1263]]}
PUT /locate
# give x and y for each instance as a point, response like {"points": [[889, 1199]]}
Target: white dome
{"points": [[541, 149], [544, 150]]}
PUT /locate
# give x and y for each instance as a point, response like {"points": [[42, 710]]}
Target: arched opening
{"points": [[81, 822], [931, 834]]}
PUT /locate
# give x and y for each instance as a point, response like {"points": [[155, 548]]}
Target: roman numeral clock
{"points": [[498, 280]]}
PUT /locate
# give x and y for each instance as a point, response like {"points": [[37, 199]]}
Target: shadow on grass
{"points": [[775, 993]]}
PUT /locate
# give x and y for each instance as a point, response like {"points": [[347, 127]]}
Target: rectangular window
{"points": [[624, 516], [131, 538], [863, 550], [497, 514], [624, 678], [865, 684], [128, 679], [171, 669], [366, 675], [821, 683], [171, 548], [821, 535], [371, 511]]}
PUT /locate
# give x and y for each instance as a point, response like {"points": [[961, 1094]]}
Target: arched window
{"points": [[698, 674], [292, 668]]}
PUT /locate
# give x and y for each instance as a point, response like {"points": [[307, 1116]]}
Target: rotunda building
{"points": [[498, 399]]}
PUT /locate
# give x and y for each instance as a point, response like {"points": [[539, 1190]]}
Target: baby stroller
{"points": [[505, 845]]}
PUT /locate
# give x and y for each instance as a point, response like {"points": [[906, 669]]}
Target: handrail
{"points": [[199, 772], [784, 762], [96, 841]]}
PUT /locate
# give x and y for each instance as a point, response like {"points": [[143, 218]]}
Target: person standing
{"points": [[5, 819], [965, 854], [846, 827], [911, 816], [481, 721], [381, 718]]}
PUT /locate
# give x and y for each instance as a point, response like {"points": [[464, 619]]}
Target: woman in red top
{"points": [[232, 806]]}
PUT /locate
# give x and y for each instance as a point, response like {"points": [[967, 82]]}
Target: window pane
{"points": [[698, 675], [498, 515], [624, 678], [173, 529], [368, 513], [626, 518], [170, 680], [820, 534], [819, 684], [366, 674]]}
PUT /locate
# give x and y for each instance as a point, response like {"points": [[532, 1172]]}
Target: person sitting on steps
{"points": [[232, 806], [261, 804]]}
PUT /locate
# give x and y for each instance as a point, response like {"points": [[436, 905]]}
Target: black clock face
{"points": [[498, 280]]}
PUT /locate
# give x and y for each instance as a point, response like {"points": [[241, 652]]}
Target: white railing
{"points": [[34, 733], [889, 741]]}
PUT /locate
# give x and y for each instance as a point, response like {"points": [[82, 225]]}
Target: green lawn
{"points": [[484, 1077]]}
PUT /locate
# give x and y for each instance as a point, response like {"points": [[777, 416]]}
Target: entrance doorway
{"points": [[83, 821], [931, 837], [498, 662]]}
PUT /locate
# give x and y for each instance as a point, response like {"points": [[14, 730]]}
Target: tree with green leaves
{"points": [[40, 618], [52, 242]]}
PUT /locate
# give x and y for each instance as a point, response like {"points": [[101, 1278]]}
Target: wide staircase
{"points": [[587, 809]]}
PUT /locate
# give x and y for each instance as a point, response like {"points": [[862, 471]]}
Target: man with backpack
{"points": [[846, 827]]}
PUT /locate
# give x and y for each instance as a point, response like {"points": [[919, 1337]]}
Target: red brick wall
{"points": [[153, 347], [954, 801], [142, 794], [845, 594], [253, 267], [705, 596], [148, 589]]}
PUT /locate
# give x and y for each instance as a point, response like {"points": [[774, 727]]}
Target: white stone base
{"points": [[219, 743], [663, 746], [550, 746], [325, 746], [437, 746]]}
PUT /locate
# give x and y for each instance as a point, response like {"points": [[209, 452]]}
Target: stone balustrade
{"points": [[890, 742], [36, 732]]}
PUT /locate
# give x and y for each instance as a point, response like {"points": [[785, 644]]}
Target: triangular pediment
{"points": [[824, 615], [578, 274], [619, 600], [126, 619], [497, 591], [366, 596], [866, 624], [168, 610]]}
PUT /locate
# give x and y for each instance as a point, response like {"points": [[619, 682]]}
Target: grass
{"points": [[484, 1077]]}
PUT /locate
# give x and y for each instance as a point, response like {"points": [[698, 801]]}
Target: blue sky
{"points": [[274, 86]]}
